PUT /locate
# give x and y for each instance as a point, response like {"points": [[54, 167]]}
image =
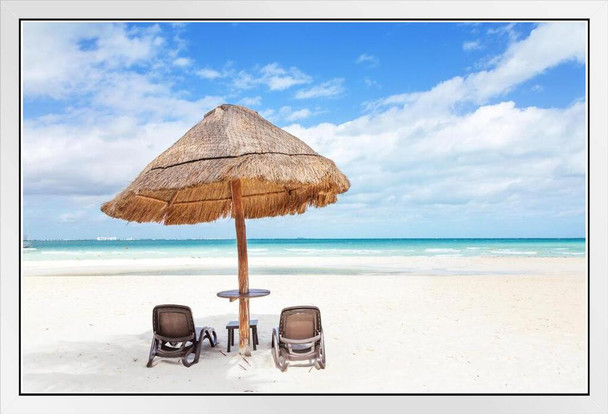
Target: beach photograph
{"points": [[305, 207]]}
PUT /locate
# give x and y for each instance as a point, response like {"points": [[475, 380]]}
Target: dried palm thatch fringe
{"points": [[190, 182]]}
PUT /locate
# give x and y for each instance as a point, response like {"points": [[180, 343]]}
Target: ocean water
{"points": [[134, 249]]}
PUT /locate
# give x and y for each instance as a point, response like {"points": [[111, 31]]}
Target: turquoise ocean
{"points": [[200, 248]]}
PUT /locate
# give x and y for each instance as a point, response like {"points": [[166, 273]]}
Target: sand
{"points": [[392, 325]]}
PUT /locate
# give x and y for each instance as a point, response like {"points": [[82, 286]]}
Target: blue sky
{"points": [[444, 129]]}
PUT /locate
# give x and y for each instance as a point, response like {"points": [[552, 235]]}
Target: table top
{"points": [[235, 294]]}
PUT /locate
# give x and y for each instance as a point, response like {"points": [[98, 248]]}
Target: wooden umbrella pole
{"points": [[241, 242]]}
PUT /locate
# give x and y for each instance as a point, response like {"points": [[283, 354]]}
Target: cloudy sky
{"points": [[444, 129]]}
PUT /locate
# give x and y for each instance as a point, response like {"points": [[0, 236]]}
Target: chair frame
{"points": [[286, 349], [179, 347]]}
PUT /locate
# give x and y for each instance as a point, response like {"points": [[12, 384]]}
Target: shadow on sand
{"points": [[118, 365]]}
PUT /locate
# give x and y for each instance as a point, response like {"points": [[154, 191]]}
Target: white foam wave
{"points": [[353, 251], [447, 255], [512, 252]]}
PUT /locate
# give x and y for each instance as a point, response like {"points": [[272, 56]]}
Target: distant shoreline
{"points": [[304, 266]]}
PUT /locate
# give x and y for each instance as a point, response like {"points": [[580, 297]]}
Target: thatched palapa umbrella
{"points": [[233, 162]]}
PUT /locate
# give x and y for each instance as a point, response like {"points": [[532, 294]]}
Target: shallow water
{"points": [[144, 249]]}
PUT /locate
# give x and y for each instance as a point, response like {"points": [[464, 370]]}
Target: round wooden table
{"points": [[234, 294]]}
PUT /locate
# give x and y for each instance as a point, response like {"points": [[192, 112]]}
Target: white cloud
{"points": [[522, 61], [506, 29], [208, 73], [532, 56], [104, 157], [289, 114], [330, 88], [244, 80], [278, 78], [471, 45], [73, 58], [182, 62], [272, 75], [499, 158], [371, 60], [251, 101], [497, 161], [135, 94]]}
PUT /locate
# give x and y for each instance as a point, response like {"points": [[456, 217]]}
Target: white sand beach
{"points": [[409, 325]]}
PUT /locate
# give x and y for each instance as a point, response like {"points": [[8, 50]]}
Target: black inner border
{"points": [[328, 20]]}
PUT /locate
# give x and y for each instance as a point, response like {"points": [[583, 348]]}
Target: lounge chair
{"points": [[175, 334], [299, 337]]}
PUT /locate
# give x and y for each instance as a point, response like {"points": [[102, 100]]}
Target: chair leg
{"points": [[254, 330], [197, 352], [214, 342], [322, 360], [194, 348], [275, 347], [199, 345], [282, 362], [152, 353], [276, 352], [209, 333]]}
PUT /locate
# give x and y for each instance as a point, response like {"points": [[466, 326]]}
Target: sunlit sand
{"points": [[398, 325]]}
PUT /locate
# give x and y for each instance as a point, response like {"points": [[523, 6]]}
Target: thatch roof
{"points": [[190, 182]]}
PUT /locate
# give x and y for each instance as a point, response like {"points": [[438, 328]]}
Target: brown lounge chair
{"points": [[175, 334], [299, 337]]}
